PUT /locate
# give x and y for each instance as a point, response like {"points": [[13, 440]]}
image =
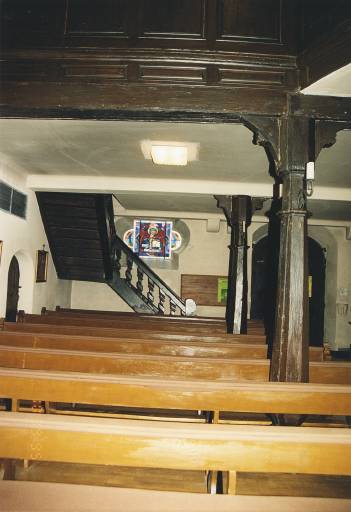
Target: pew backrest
{"points": [[190, 446], [162, 393]]}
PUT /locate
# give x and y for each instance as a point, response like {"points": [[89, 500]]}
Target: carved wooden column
{"points": [[271, 268], [238, 211], [290, 359]]}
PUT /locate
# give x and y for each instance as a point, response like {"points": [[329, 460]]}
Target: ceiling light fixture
{"points": [[169, 155], [163, 152]]}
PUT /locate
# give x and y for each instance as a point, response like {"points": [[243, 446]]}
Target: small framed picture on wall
{"points": [[42, 266]]}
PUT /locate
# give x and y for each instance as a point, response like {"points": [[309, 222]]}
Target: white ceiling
{"points": [[109, 153], [112, 148], [337, 83]]}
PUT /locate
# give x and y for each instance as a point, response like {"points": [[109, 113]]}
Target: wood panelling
{"points": [[77, 44], [250, 20], [320, 17], [201, 288], [95, 72], [172, 73], [194, 24], [104, 18], [30, 23], [256, 77], [173, 18]]}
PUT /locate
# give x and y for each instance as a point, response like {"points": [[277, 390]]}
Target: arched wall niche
{"points": [[327, 241]]}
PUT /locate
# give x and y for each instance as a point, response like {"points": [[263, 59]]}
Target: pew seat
{"points": [[41, 497], [171, 367], [157, 393], [84, 330], [201, 348]]}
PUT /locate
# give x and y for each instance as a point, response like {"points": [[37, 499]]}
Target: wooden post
{"points": [[290, 347], [238, 212], [271, 268]]}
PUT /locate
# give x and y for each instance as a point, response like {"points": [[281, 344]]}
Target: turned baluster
{"points": [[161, 303], [139, 284], [150, 293], [116, 258], [129, 271], [172, 307]]}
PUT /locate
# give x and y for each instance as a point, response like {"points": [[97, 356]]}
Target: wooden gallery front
{"points": [[175, 248]]}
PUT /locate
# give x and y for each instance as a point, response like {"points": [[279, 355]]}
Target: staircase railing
{"points": [[139, 277]]}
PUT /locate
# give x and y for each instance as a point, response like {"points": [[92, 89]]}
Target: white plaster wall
{"points": [[343, 322], [206, 253], [22, 238]]}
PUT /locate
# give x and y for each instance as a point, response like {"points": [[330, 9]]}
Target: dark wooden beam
{"points": [[320, 107], [57, 100]]}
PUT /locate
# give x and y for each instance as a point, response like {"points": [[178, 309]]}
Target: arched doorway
{"points": [[12, 290], [261, 292]]}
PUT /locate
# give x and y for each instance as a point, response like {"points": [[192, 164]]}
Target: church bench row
{"points": [[41, 497], [139, 317], [134, 323], [187, 446], [84, 330], [168, 367], [230, 349], [130, 314], [162, 393]]}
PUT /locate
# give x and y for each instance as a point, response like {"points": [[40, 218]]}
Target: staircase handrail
{"points": [[149, 273]]}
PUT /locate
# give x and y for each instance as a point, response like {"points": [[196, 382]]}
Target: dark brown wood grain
{"points": [[202, 288]]}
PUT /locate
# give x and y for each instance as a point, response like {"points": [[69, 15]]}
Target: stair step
{"points": [[75, 212], [79, 243], [77, 233], [68, 199]]}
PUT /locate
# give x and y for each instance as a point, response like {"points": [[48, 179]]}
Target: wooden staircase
{"points": [[85, 247]]}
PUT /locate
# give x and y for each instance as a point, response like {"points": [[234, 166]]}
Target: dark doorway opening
{"points": [[262, 292], [12, 291]]}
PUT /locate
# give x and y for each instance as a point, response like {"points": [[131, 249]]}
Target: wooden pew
{"points": [[162, 393], [230, 349], [126, 333], [41, 497], [64, 311], [121, 315], [185, 327], [169, 367], [190, 446], [200, 348]]}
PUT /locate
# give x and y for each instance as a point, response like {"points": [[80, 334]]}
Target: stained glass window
{"points": [[153, 238]]}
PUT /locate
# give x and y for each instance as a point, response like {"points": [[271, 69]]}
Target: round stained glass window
{"points": [[128, 238], [176, 240]]}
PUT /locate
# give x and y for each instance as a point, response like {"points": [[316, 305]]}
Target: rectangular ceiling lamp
{"points": [[169, 155]]}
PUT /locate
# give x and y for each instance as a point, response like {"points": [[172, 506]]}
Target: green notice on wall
{"points": [[222, 290]]}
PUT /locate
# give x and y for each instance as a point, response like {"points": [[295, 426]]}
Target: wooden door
{"points": [[261, 288], [12, 290], [316, 289]]}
